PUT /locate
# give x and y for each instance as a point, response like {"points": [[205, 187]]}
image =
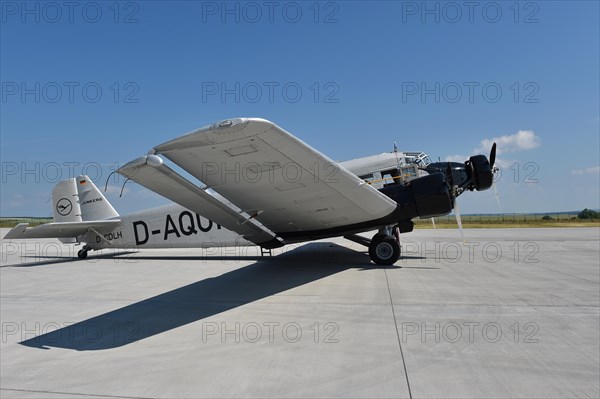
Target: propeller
{"points": [[497, 196], [458, 219], [493, 155], [474, 174], [494, 170]]}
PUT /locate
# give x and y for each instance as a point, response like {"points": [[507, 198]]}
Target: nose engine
{"points": [[474, 174], [480, 173], [435, 193]]}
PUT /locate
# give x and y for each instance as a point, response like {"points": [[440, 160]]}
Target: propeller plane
{"points": [[260, 185]]}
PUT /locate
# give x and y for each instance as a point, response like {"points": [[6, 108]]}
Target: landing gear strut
{"points": [[385, 247], [82, 254]]}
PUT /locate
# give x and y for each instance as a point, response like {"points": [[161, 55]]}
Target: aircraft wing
{"points": [[59, 229], [152, 173], [289, 187]]}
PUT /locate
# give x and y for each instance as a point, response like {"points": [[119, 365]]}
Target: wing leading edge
{"points": [[260, 167], [290, 188]]}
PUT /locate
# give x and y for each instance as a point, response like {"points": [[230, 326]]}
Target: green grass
{"points": [[443, 222], [509, 221], [428, 225], [13, 221]]}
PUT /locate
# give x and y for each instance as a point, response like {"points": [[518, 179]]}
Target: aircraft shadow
{"points": [[55, 259], [204, 298]]}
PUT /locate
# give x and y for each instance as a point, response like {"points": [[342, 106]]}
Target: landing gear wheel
{"points": [[82, 254], [384, 250]]}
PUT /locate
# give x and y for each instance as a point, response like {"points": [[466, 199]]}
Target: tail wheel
{"points": [[384, 250]]}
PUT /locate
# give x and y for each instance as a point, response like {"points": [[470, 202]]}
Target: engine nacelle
{"points": [[481, 172], [431, 195], [423, 197]]}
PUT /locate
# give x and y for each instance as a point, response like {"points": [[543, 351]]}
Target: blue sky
{"points": [[97, 85]]}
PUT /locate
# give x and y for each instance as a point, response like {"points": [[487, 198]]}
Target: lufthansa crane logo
{"points": [[64, 206]]}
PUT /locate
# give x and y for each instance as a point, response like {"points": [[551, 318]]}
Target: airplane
{"points": [[260, 185]]}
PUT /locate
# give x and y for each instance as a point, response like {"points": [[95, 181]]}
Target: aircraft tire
{"points": [[384, 250], [82, 254]]}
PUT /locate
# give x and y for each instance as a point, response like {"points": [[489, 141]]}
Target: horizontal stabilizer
{"points": [[59, 229], [150, 172]]}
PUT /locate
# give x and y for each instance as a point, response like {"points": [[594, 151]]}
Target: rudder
{"points": [[93, 204]]}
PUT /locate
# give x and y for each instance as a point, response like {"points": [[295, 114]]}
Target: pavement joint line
{"points": [[387, 282], [75, 393], [566, 274]]}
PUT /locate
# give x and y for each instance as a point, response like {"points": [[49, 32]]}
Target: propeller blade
{"points": [[497, 196], [433, 223], [458, 219], [493, 155]]}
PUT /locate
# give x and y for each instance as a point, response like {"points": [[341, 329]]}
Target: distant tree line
{"points": [[588, 214]]}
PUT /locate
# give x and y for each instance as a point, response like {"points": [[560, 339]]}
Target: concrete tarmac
{"points": [[511, 313]]}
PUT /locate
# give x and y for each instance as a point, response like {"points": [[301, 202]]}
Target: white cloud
{"points": [[591, 171], [456, 158], [522, 140], [502, 162], [505, 163]]}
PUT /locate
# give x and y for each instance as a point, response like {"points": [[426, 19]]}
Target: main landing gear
{"points": [[384, 248], [82, 254]]}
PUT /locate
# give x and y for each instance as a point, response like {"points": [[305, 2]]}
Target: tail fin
{"points": [[65, 205], [65, 202], [93, 204], [77, 200]]}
